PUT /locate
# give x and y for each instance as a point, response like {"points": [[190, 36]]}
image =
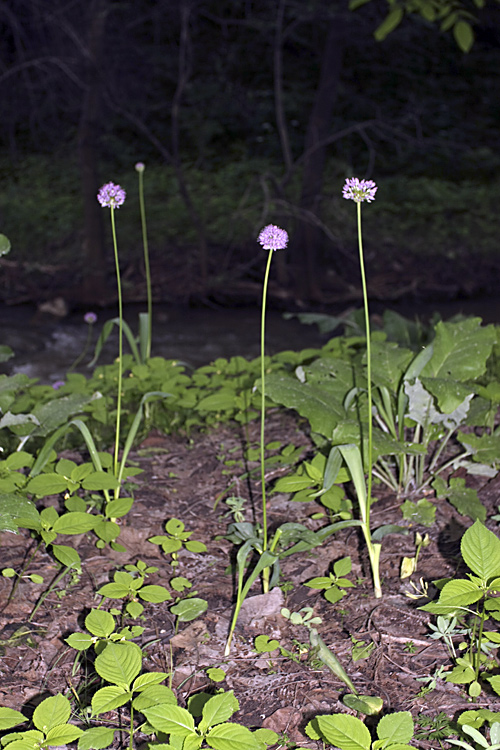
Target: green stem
{"points": [[21, 574], [49, 590], [146, 263], [263, 403], [120, 350], [368, 370]]}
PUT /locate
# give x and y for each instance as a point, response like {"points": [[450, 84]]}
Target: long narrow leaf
{"points": [[151, 396]]}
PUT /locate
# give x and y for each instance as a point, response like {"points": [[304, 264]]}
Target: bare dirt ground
{"points": [[183, 478]]}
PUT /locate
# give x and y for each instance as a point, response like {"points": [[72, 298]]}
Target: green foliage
{"points": [[472, 602], [335, 583], [349, 733]]}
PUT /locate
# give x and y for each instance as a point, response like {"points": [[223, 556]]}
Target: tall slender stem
{"points": [[120, 348], [146, 262], [263, 399], [368, 369]]}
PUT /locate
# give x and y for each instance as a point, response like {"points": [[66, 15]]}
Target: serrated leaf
{"points": [[495, 683], [397, 727], [155, 594], [218, 709], [119, 663], [154, 695], [108, 698], [148, 679], [100, 623], [345, 732], [455, 596], [232, 737], [96, 738], [460, 350], [62, 735], [170, 719], [189, 609], [10, 718], [481, 551], [79, 641], [51, 712], [119, 508]]}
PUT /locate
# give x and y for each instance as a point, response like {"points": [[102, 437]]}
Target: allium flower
{"points": [[111, 195], [359, 190], [273, 238], [58, 384], [140, 167], [90, 318]]}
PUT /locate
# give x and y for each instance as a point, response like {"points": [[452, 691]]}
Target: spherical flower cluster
{"points": [[140, 167], [111, 195], [359, 190], [90, 318], [273, 238], [58, 384]]}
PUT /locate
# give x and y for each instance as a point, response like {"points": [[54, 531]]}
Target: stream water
{"points": [[46, 347]]}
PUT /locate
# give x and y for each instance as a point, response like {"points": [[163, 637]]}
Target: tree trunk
{"points": [[94, 287], [308, 236]]}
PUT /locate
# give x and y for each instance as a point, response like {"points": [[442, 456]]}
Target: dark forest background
{"points": [[246, 112]]}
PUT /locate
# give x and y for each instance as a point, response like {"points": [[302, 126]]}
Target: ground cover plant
{"points": [[136, 527]]}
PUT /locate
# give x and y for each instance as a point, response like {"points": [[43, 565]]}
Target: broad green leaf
{"points": [[153, 695], [10, 718], [232, 737], [218, 709], [345, 732], [481, 551], [460, 350], [293, 483], [170, 719], [397, 728], [55, 413], [189, 609], [74, 523], [100, 480], [108, 698], [119, 663], [100, 623], [63, 735], [370, 705], [4, 245], [154, 594], [79, 641], [455, 596], [485, 448], [68, 556], [449, 395], [465, 499], [495, 683], [119, 508], [422, 512], [147, 679], [16, 511], [263, 644], [47, 484], [51, 712], [315, 402], [464, 35], [389, 361], [96, 738], [223, 399], [114, 591]]}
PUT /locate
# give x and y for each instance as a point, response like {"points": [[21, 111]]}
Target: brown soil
{"points": [[183, 479]]}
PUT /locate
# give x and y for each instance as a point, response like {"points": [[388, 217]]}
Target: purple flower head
{"points": [[359, 190], [90, 318], [273, 238], [111, 195], [140, 167], [58, 384]]}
